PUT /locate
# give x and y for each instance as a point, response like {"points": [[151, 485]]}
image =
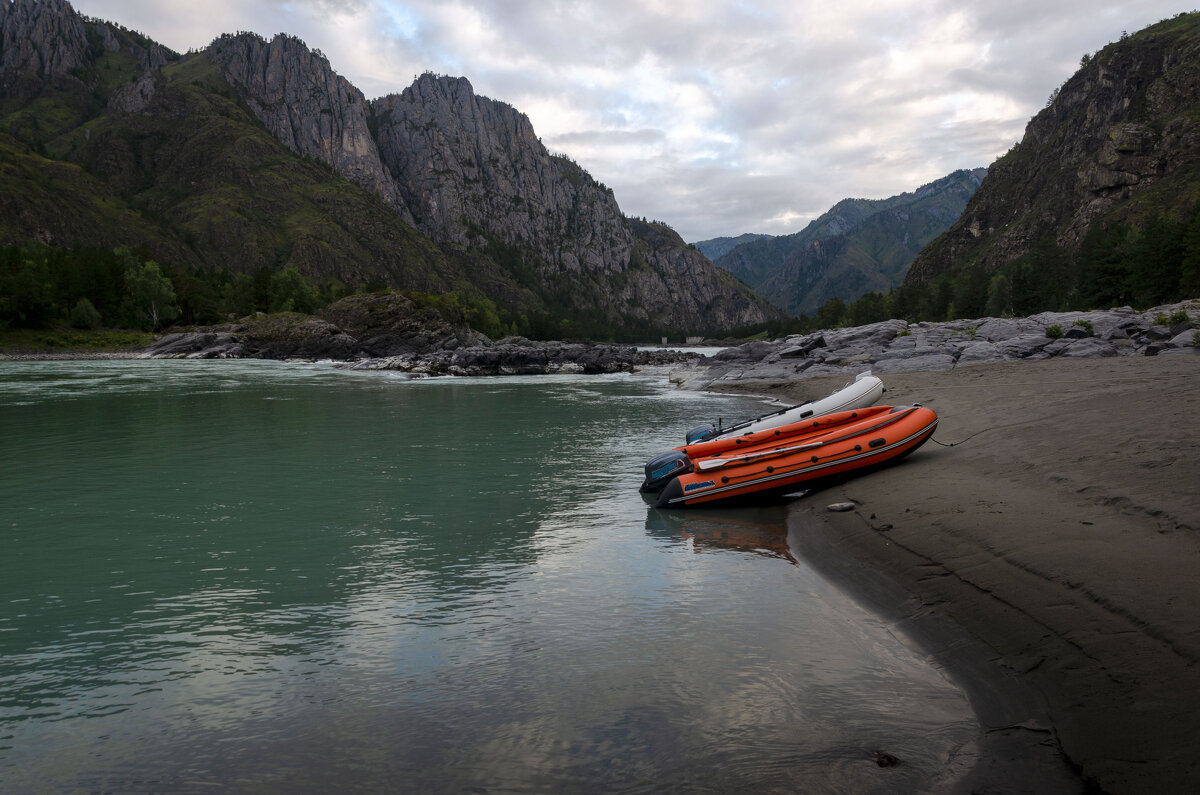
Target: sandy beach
{"points": [[1049, 559]]}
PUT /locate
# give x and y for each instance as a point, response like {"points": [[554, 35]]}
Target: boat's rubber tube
{"points": [[865, 391], [800, 461]]}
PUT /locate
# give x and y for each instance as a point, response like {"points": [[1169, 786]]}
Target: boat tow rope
{"points": [[955, 444]]}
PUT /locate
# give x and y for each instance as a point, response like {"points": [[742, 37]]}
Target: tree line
{"points": [[1116, 264], [90, 287]]}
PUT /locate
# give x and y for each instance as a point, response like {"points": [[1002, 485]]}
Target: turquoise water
{"points": [[287, 577]]}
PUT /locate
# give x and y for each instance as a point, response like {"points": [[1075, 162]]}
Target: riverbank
{"points": [[1061, 533]]}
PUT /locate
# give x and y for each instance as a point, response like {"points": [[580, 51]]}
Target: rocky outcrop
{"points": [[519, 356], [387, 331], [668, 278], [1124, 127], [45, 40], [295, 337], [306, 105], [470, 173], [389, 324], [897, 346], [311, 339], [467, 164], [360, 326], [475, 174]]}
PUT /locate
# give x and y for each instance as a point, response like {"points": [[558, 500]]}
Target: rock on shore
{"points": [[520, 356], [898, 346], [389, 332]]}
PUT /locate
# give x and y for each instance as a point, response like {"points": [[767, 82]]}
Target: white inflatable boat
{"points": [[865, 391]]}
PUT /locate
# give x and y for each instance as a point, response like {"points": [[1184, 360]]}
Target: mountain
{"points": [[857, 247], [1098, 201], [253, 154], [718, 247]]}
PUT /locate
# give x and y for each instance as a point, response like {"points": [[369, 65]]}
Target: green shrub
{"points": [[1086, 325], [1160, 319], [1054, 332], [1179, 316], [85, 316]]}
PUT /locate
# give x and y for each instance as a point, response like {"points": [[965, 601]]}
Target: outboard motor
{"points": [[701, 433], [661, 469]]}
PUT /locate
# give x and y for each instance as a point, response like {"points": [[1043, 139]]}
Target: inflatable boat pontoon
{"points": [[839, 445], [864, 391]]}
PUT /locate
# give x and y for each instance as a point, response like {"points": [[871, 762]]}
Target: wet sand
{"points": [[1050, 560]]}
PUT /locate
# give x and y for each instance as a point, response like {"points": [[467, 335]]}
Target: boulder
{"points": [[1187, 337], [1023, 346], [980, 352], [1086, 348]]}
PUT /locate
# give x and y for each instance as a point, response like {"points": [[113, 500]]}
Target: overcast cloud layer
{"points": [[716, 116]]}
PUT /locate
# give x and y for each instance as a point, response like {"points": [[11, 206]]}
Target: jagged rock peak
{"points": [[310, 108], [443, 99], [475, 174], [466, 163], [427, 84], [40, 37]]}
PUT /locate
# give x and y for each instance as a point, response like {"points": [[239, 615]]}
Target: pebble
{"points": [[840, 506]]}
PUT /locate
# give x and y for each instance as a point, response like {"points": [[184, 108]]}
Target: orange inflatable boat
{"points": [[836, 445]]}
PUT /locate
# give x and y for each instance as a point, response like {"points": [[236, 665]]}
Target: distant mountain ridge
{"points": [[718, 247], [222, 158], [856, 247]]}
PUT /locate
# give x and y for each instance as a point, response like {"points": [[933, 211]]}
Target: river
{"points": [[289, 577]]}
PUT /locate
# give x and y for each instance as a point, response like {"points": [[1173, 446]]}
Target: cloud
{"points": [[715, 116]]}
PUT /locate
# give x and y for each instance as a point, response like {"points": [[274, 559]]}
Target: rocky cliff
{"points": [[858, 246], [306, 105], [475, 174], [470, 173], [1118, 142], [40, 41], [245, 156]]}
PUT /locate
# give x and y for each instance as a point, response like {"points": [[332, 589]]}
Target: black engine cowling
{"points": [[663, 467]]}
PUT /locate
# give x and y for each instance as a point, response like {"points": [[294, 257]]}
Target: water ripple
{"points": [[270, 576]]}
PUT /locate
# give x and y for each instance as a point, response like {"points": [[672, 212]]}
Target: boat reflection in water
{"points": [[761, 530]]}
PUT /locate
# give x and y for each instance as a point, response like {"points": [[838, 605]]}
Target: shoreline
{"points": [[1049, 560], [1017, 749]]}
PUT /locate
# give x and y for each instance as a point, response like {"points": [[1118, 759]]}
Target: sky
{"points": [[717, 117]]}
